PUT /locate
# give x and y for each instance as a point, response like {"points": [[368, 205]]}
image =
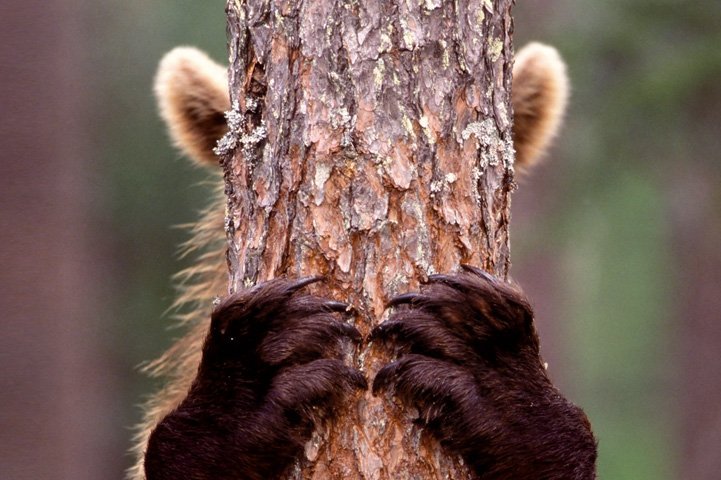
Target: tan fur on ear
{"points": [[192, 94], [539, 97]]}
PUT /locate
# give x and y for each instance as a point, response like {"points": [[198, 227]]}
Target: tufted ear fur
{"points": [[539, 96], [192, 94]]}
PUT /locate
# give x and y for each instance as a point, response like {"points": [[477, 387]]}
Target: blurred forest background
{"points": [[616, 237]]}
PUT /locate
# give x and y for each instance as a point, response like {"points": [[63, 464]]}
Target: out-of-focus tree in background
{"points": [[616, 238]]}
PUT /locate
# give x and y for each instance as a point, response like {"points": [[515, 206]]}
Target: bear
{"points": [[247, 389]]}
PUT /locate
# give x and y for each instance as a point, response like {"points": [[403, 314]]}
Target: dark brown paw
{"points": [[271, 370], [288, 344], [460, 317], [469, 363], [273, 324]]}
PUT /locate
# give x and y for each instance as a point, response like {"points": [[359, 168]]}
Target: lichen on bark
{"points": [[373, 146]]}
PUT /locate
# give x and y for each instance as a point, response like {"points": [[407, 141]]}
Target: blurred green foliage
{"points": [[149, 187], [642, 73], [639, 70]]}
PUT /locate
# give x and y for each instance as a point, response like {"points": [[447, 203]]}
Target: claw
{"points": [[480, 272], [376, 333], [340, 307], [440, 278], [358, 380], [304, 282], [386, 328], [456, 282], [405, 298], [350, 331], [383, 377]]}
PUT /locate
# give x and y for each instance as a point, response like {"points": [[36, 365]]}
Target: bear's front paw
{"points": [[469, 363], [271, 370]]}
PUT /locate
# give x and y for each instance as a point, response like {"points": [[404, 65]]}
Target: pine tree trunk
{"points": [[370, 142]]}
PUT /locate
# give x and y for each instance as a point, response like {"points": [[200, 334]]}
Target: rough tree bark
{"points": [[370, 142]]}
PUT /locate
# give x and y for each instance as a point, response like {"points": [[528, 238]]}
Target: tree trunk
{"points": [[370, 142]]}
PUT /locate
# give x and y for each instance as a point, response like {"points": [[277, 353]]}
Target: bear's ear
{"points": [[539, 96], [192, 94]]}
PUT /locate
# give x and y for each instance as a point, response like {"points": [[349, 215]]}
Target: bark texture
{"points": [[370, 142]]}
